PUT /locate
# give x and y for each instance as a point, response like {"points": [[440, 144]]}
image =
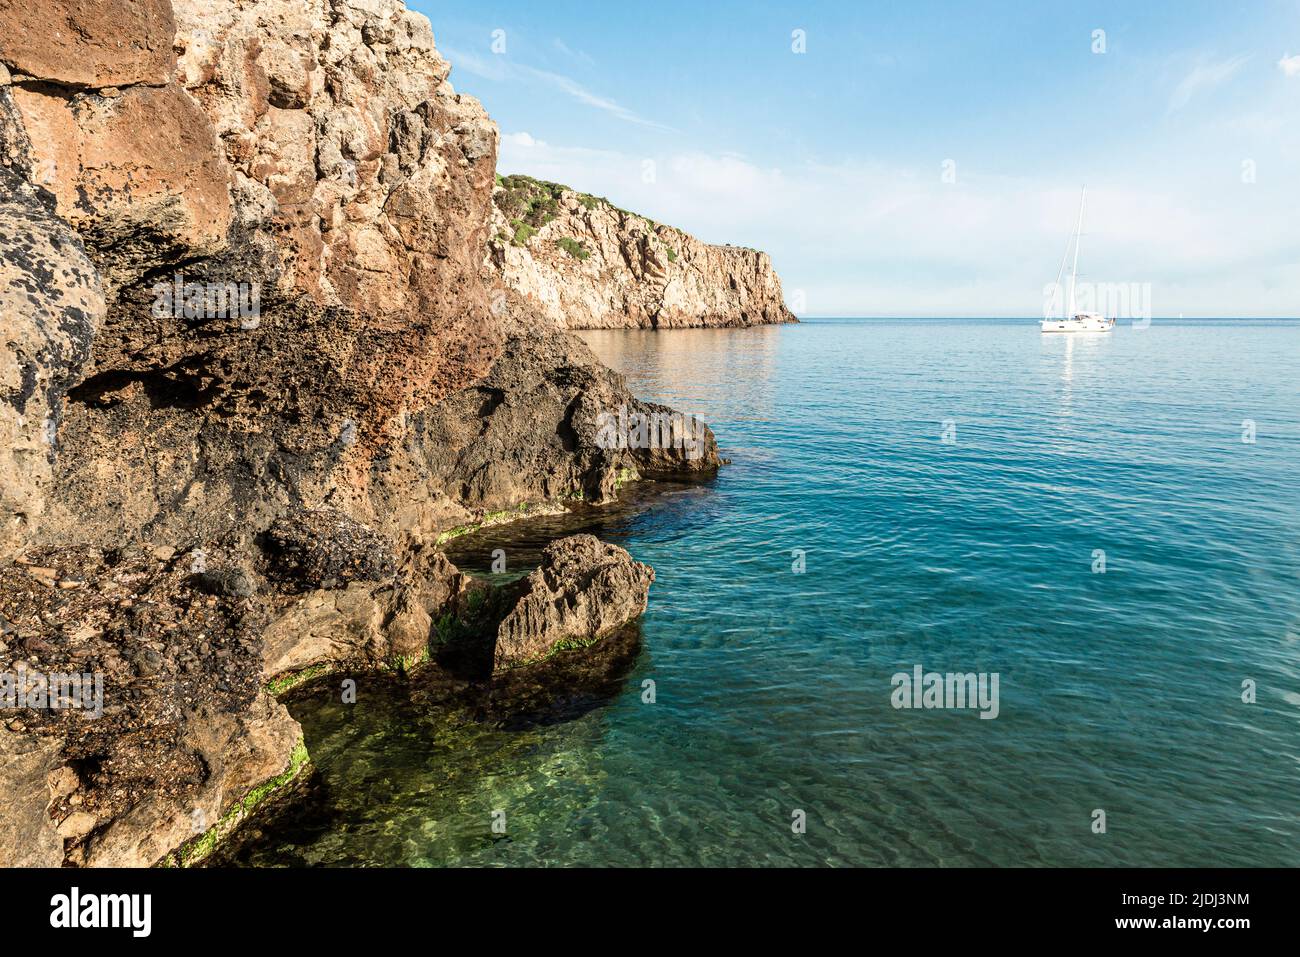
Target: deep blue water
{"points": [[1119, 690]]}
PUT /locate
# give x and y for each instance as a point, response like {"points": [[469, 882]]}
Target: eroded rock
{"points": [[584, 590], [28, 836], [385, 622], [138, 174], [173, 730], [51, 304], [322, 548], [531, 431]]}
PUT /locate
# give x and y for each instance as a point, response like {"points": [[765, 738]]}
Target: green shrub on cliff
{"points": [[529, 204], [532, 201], [523, 232], [573, 247], [535, 202]]}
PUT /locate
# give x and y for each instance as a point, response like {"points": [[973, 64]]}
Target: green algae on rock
{"points": [[199, 849]]}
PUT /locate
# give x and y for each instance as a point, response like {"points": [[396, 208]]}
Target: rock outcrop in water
{"points": [[253, 374], [584, 589], [583, 263]]}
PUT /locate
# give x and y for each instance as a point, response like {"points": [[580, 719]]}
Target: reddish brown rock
{"points": [[137, 174], [88, 43]]}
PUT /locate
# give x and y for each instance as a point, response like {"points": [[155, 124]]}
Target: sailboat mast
{"points": [[1078, 233]]}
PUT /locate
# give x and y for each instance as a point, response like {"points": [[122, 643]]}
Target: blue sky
{"points": [[1186, 131]]}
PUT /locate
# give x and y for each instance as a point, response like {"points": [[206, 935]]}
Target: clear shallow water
{"points": [[1119, 691]]}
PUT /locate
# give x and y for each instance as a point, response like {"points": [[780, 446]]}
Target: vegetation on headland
{"points": [[523, 232], [529, 204]]}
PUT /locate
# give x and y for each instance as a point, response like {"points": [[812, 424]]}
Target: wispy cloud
{"points": [[1290, 65], [572, 54], [871, 238], [1205, 76], [501, 69]]}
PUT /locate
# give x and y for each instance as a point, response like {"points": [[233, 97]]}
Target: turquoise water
{"points": [[1118, 690]]}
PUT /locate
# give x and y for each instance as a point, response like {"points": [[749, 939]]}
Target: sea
{"points": [[1096, 537]]}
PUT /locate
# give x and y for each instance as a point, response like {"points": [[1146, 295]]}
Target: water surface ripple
{"points": [[1119, 691]]}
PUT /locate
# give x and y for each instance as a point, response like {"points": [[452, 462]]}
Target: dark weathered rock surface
{"points": [[51, 304], [529, 430], [172, 665], [326, 549]]}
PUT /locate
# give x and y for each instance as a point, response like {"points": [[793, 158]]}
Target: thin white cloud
{"points": [[578, 55], [1203, 77], [1290, 65], [861, 238], [500, 69]]}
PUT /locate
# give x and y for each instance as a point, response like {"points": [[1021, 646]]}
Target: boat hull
{"points": [[1053, 329], [1084, 323]]}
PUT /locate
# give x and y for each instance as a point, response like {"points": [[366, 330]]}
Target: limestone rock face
{"points": [[370, 172], [91, 43], [51, 304], [584, 589], [589, 265], [337, 594]]}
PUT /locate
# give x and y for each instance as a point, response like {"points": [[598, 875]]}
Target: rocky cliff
{"points": [[583, 263], [254, 372]]}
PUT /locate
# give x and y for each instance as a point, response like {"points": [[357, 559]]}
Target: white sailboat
{"points": [[1073, 320]]}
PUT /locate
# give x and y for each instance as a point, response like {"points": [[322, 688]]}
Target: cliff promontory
{"points": [[583, 263]]}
